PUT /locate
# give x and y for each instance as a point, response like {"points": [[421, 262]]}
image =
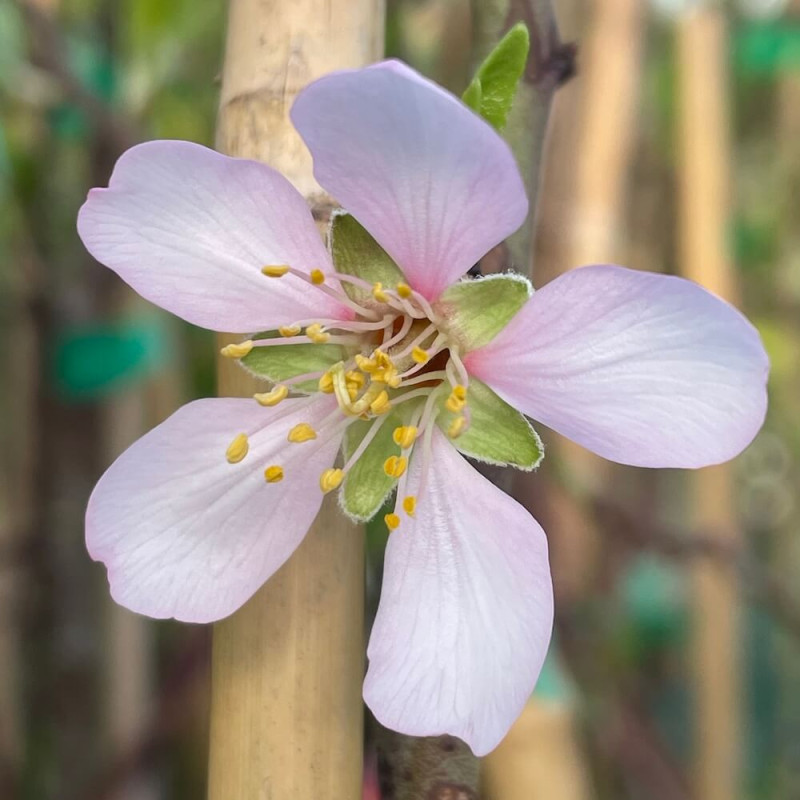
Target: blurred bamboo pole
{"points": [[286, 710], [595, 223], [705, 155]]}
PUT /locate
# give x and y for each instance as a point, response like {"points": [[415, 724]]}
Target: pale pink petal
{"points": [[431, 181], [466, 609], [643, 369], [190, 229], [184, 533]]}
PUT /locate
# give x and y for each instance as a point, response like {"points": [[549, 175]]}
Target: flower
{"points": [[382, 350]]}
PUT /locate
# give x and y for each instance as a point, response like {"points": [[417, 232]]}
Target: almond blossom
{"points": [[383, 367]]}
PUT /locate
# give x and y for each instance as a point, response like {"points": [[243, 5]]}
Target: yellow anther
{"points": [[316, 333], [273, 474], [404, 436], [302, 432], [410, 505], [456, 427], [273, 397], [365, 364], [317, 277], [289, 330], [392, 521], [457, 399], [404, 290], [381, 404], [352, 390], [275, 270], [379, 294], [395, 466], [419, 355], [355, 376], [238, 350], [237, 449], [326, 383], [382, 358], [330, 479]]}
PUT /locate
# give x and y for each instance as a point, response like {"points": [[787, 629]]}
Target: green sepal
{"points": [[477, 310], [279, 363], [491, 92], [366, 485], [497, 434], [356, 253]]}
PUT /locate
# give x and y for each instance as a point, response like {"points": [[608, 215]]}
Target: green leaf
{"points": [[356, 253], [286, 361], [366, 485], [477, 310], [498, 76], [94, 360], [498, 433], [473, 95]]}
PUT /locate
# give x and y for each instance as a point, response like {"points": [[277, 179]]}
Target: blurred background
{"points": [[675, 670]]}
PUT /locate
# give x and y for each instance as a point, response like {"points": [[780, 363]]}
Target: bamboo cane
{"points": [[703, 207], [286, 711]]}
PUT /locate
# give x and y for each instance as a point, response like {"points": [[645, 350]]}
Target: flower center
{"points": [[398, 353]]}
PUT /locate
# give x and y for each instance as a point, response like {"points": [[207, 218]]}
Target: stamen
{"points": [[237, 449], [404, 436], [289, 330], [331, 479], [237, 350], [425, 377], [395, 466], [365, 364], [378, 293], [326, 383], [420, 356], [410, 505], [302, 432], [455, 359], [392, 521], [317, 277], [456, 427], [457, 399], [430, 329], [316, 333], [401, 334], [380, 405], [275, 270], [354, 376], [340, 296], [273, 397], [404, 290], [273, 474], [377, 424]]}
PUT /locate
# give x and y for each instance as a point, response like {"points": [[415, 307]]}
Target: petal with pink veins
{"points": [[433, 183], [189, 229], [643, 369], [466, 609], [186, 534]]}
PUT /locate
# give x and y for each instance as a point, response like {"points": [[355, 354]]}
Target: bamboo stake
{"points": [[286, 711], [703, 207]]}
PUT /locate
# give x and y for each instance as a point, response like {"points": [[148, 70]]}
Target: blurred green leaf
{"points": [[767, 48], [491, 92], [94, 360]]}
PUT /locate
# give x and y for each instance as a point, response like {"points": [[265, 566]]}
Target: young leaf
{"points": [[492, 90]]}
